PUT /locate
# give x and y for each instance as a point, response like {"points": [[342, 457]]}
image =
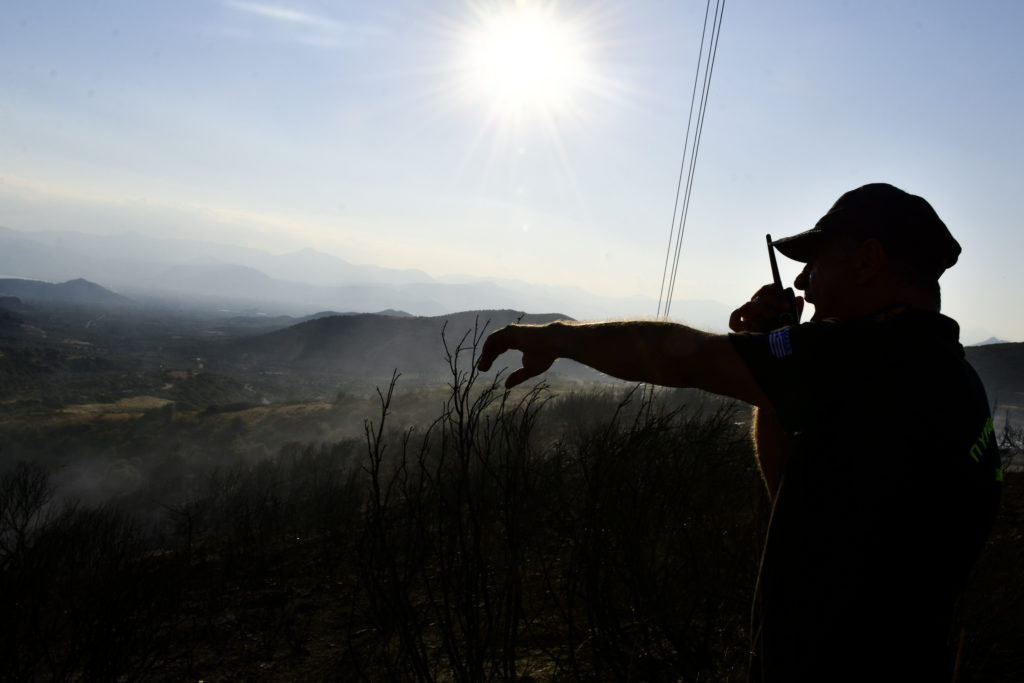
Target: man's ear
{"points": [[871, 260]]}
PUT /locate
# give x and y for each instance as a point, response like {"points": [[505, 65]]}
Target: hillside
{"points": [[1001, 368], [65, 334], [374, 345], [76, 291]]}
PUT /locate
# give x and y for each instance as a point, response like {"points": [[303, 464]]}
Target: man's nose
{"points": [[801, 280]]}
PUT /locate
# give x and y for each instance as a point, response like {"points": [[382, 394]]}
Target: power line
{"points": [[705, 63]]}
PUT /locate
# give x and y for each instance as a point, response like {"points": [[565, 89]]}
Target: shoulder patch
{"points": [[779, 343]]}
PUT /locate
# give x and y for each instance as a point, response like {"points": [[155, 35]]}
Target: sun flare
{"points": [[526, 60]]}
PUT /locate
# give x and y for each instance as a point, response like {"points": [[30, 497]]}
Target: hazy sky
{"points": [[374, 131]]}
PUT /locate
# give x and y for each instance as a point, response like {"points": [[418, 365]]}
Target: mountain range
{"points": [[222, 277]]}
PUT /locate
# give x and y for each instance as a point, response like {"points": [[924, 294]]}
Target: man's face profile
{"points": [[828, 279]]}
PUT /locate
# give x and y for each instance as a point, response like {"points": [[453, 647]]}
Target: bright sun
{"points": [[526, 60]]}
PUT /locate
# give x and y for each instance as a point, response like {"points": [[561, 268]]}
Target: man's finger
{"points": [[495, 345], [736, 319], [518, 377], [750, 317], [767, 290], [533, 365]]}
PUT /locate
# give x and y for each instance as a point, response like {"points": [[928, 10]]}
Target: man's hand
{"points": [[763, 312], [537, 342]]}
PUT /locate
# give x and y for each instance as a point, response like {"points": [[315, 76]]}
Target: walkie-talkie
{"points": [[790, 316]]}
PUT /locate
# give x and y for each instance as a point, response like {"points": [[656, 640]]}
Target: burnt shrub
{"points": [[83, 598], [498, 544]]}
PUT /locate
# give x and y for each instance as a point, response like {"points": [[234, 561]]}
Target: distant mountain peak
{"points": [[991, 340]]}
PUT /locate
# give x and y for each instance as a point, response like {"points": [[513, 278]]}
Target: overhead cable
{"points": [[681, 207]]}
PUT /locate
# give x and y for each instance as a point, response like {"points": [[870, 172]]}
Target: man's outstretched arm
{"points": [[655, 352]]}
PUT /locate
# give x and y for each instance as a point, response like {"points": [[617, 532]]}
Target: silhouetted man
{"points": [[873, 435]]}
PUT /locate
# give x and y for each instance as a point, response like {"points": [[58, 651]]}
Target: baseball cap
{"points": [[905, 224]]}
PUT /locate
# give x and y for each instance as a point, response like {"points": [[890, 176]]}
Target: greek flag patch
{"points": [[778, 342]]}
